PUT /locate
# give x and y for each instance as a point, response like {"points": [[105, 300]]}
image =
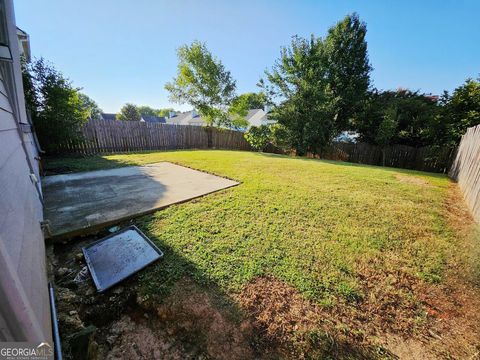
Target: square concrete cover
{"points": [[80, 203]]}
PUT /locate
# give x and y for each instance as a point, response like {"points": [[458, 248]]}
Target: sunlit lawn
{"points": [[315, 224]]}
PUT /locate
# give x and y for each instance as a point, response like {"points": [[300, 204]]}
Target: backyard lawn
{"points": [[321, 258]]}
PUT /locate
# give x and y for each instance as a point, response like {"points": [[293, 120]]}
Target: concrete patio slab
{"points": [[82, 203]]}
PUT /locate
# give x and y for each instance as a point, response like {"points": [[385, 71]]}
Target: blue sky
{"points": [[122, 51]]}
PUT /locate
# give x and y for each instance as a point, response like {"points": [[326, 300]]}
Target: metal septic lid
{"points": [[117, 256]]}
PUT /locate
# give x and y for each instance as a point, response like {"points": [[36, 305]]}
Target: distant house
{"points": [[255, 117], [152, 119], [108, 117], [186, 118]]}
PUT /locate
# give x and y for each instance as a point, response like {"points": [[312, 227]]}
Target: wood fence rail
{"points": [[432, 159], [466, 169], [100, 136]]}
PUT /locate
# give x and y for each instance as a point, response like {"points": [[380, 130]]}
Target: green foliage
{"points": [[298, 79], [320, 84], [203, 82], [280, 136], [251, 100], [92, 108], [56, 107], [348, 75], [460, 111], [396, 117], [387, 127], [164, 112], [147, 110], [129, 112], [258, 136]]}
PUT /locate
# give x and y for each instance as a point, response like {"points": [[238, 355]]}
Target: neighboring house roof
{"points": [[108, 117], [153, 119], [255, 117], [187, 118]]}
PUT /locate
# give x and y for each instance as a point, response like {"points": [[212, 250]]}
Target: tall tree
{"points": [[203, 82], [460, 111], [147, 110], [412, 113], [129, 112], [346, 58], [251, 100], [55, 105], [93, 110], [304, 103]]}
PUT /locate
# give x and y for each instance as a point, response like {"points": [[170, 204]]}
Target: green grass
{"points": [[315, 224]]}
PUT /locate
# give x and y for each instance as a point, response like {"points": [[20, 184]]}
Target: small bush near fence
{"points": [[100, 136]]}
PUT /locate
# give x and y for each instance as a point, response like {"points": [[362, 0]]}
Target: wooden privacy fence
{"points": [[400, 156], [100, 136], [466, 169]]}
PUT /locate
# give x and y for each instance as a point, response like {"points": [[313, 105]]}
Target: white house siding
{"points": [[24, 303]]}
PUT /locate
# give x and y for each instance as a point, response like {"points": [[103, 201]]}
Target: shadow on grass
{"points": [[159, 285], [72, 164]]}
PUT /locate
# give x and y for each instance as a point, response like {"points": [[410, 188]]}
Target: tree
{"points": [[386, 129], [55, 106], [93, 111], [460, 111], [251, 100], [346, 59], [412, 113], [147, 110], [305, 107], [129, 112], [164, 112], [203, 82]]}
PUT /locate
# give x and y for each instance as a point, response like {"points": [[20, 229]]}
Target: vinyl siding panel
{"points": [[22, 240]]}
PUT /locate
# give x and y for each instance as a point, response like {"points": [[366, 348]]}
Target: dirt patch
{"points": [[299, 329], [412, 180], [191, 323], [399, 317], [205, 320]]}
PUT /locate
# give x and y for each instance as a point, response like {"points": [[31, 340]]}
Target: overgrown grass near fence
{"points": [[101, 136]]}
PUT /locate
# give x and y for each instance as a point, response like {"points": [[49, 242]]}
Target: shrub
{"points": [[258, 136]]}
